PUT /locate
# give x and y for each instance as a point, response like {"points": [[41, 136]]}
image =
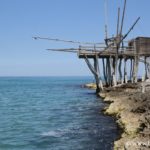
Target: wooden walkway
{"points": [[124, 53]]}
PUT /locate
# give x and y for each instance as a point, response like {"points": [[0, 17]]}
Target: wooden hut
{"points": [[141, 45]]}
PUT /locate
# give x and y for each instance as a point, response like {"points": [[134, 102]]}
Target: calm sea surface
{"points": [[52, 113]]}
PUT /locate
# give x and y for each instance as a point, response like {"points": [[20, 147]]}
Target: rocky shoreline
{"points": [[131, 107]]}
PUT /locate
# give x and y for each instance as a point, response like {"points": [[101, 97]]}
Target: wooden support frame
{"points": [[96, 72]]}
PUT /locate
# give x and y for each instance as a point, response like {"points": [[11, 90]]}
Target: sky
{"points": [[79, 20]]}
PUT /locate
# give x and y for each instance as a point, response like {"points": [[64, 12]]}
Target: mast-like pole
{"points": [[106, 20], [123, 17], [118, 21]]}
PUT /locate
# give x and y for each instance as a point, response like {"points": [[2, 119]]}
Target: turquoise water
{"points": [[52, 113]]}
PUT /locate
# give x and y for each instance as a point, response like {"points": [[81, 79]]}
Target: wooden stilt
{"points": [[98, 73], [95, 71], [105, 71], [125, 71], [133, 61], [145, 67], [136, 62], [99, 84], [120, 71], [148, 69], [109, 75], [114, 71], [131, 69], [107, 78], [135, 69]]}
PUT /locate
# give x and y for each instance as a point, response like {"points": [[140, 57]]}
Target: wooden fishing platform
{"points": [[106, 54], [139, 46], [114, 53]]}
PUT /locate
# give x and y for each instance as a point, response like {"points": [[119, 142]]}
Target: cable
{"points": [[68, 41]]}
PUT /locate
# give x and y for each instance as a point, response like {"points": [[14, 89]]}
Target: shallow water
{"points": [[52, 113]]}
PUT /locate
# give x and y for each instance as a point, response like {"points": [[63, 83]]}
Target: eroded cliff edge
{"points": [[132, 109]]}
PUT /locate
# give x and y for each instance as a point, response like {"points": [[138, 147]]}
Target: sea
{"points": [[53, 113]]}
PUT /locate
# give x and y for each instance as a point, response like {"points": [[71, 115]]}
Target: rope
{"points": [[106, 19], [64, 50], [67, 41]]}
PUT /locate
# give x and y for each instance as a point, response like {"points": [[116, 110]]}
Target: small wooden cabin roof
{"points": [[141, 44], [140, 38]]}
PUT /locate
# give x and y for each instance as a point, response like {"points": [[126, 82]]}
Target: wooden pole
{"points": [[105, 71], [145, 67], [120, 71], [95, 71], [122, 21], [111, 70], [99, 84], [135, 69], [136, 62], [98, 70], [131, 69], [96, 77], [109, 76], [118, 43], [125, 70], [133, 61], [118, 21], [114, 65], [148, 69]]}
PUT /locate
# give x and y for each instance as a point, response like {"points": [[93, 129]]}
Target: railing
{"points": [[92, 50]]}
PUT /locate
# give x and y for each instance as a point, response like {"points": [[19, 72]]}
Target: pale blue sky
{"points": [[80, 20]]}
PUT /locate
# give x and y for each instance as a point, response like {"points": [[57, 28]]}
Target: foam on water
{"points": [[51, 134]]}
